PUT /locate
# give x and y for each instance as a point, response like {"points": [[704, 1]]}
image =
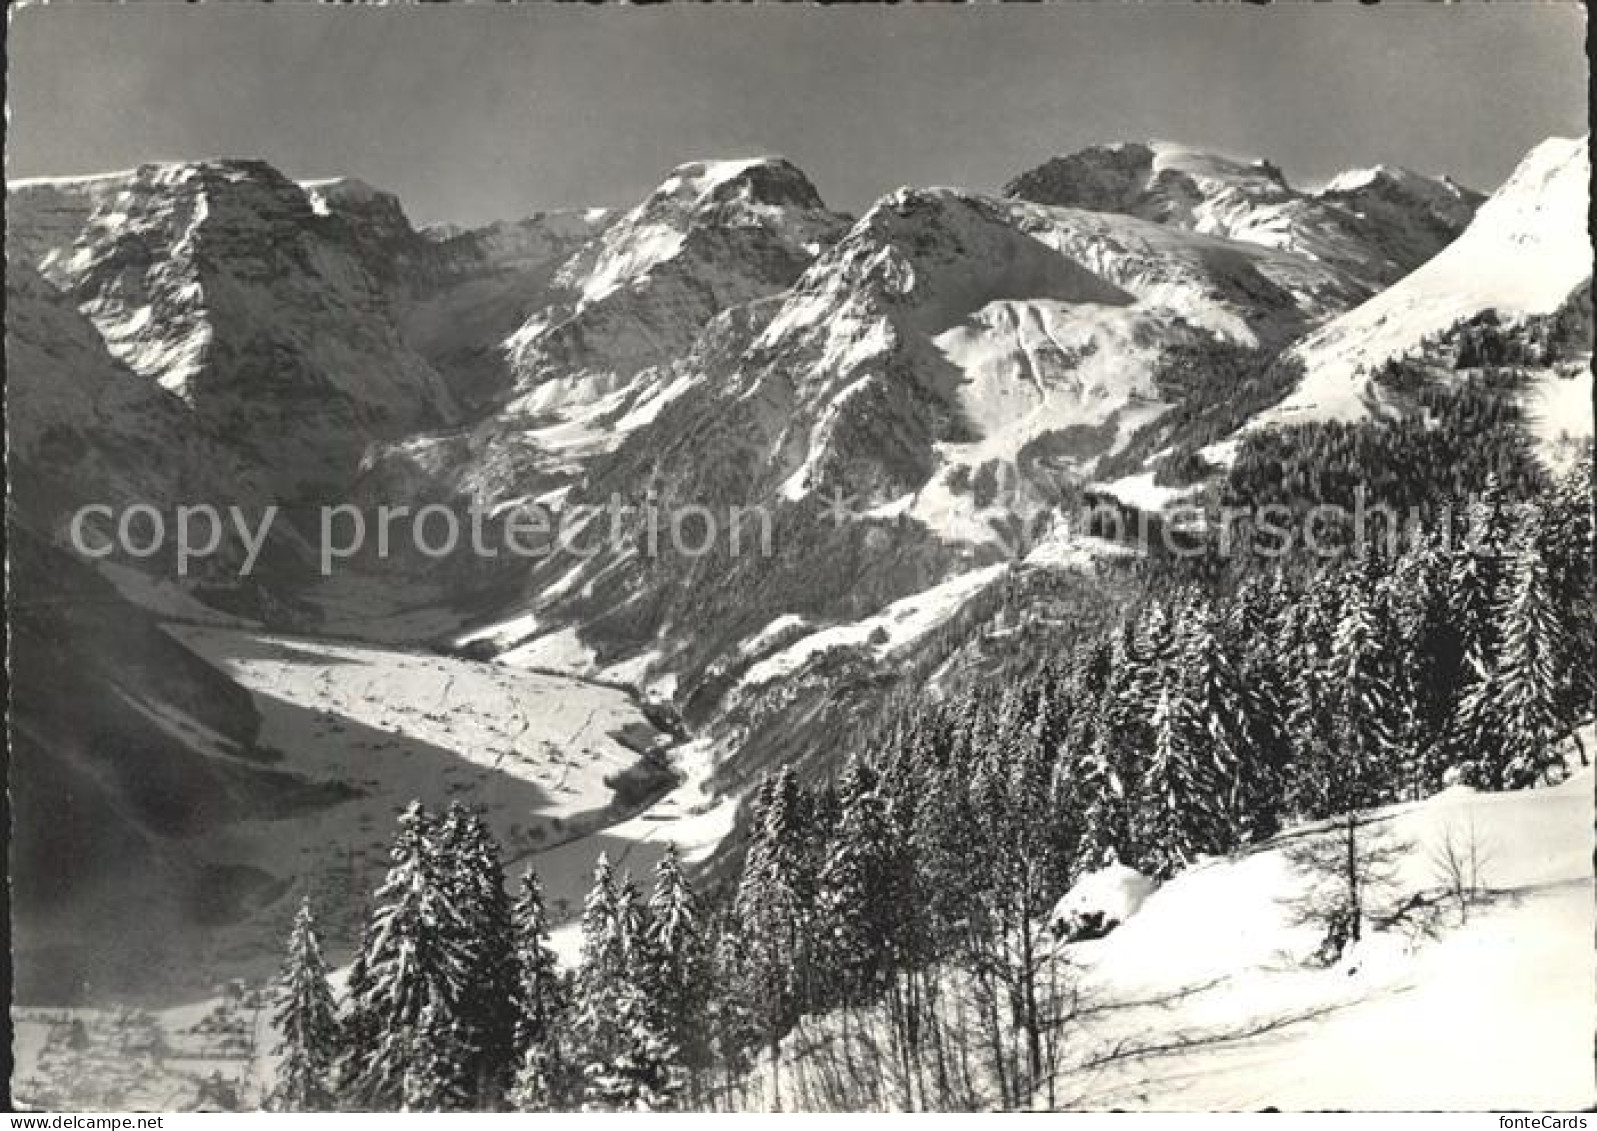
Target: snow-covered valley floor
{"points": [[533, 749]]}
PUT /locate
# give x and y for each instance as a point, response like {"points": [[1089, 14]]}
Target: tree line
{"points": [[455, 1000]]}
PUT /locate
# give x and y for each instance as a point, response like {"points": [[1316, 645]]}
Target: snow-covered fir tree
{"points": [[640, 1071], [306, 1018], [861, 891], [1475, 575], [1528, 680], [627, 1060], [433, 1051], [1569, 549], [407, 983], [1367, 702], [1229, 733], [468, 861], [603, 974], [544, 1074], [541, 990], [1431, 660], [774, 909], [1178, 810], [677, 973]]}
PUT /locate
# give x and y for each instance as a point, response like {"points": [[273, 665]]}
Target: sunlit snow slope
{"points": [[1524, 254]]}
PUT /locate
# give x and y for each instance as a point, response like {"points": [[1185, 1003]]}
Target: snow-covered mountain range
{"points": [[945, 362]]}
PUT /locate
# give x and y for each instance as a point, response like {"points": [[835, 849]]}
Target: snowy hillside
{"points": [[1205, 998], [362, 730], [1525, 253], [1494, 1011]]}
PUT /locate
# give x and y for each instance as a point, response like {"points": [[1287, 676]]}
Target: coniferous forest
{"points": [[908, 896]]}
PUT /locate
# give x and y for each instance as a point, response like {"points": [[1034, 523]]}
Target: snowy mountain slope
{"points": [[713, 235], [945, 321], [1376, 224], [47, 214], [951, 360], [585, 327], [1525, 254], [223, 283], [967, 332], [490, 281], [376, 228]]}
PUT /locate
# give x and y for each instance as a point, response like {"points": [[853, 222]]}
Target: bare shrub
{"points": [[1458, 864]]}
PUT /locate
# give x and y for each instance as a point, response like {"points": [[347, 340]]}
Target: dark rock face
{"points": [[224, 284]]}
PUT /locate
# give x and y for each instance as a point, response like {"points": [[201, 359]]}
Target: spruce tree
{"points": [[604, 974], [1475, 575], [1529, 681], [1177, 811], [407, 984], [641, 1072], [307, 1020], [1474, 741], [860, 892], [1367, 698], [1317, 784], [1108, 751], [1149, 661], [1222, 713], [540, 996], [631, 925], [433, 1052], [775, 910], [543, 1081], [943, 845], [1570, 554], [474, 877], [677, 978], [543, 1070], [1432, 660]]}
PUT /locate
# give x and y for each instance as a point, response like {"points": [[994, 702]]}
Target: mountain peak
{"points": [[770, 180], [1125, 176], [1375, 224]]}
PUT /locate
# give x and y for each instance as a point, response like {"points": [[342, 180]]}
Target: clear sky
{"points": [[472, 113]]}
